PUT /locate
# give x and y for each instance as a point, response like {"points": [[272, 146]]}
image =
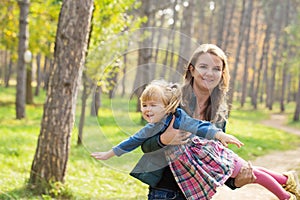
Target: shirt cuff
{"points": [[159, 142]]}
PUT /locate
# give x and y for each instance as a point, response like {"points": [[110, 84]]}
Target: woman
{"points": [[206, 84]]}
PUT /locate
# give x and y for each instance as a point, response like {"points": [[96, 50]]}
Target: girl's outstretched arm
{"points": [[103, 155]]}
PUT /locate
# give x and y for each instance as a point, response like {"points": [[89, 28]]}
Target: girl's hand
{"points": [[103, 155], [226, 139], [174, 136]]}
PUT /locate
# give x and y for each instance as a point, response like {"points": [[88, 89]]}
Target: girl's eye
{"points": [[217, 69]]}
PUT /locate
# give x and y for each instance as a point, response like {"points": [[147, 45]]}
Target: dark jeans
{"points": [[164, 194]]}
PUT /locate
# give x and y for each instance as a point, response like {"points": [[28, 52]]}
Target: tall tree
{"points": [[247, 46], [143, 75], [297, 110], [276, 55], [265, 51], [170, 46], [254, 53], [285, 58], [51, 156], [242, 28], [23, 45], [29, 95], [187, 28], [221, 22], [228, 32]]}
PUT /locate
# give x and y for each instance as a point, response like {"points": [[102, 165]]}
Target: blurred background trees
{"points": [[260, 38]]}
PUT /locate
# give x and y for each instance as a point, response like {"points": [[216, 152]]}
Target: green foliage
{"points": [[43, 20], [9, 14], [91, 179], [109, 78], [59, 190], [111, 24]]}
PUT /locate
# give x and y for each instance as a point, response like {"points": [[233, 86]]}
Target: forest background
{"points": [[131, 43]]}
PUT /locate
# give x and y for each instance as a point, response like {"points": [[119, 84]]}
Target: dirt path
{"points": [[272, 161]]}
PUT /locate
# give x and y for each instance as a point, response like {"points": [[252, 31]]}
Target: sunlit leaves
{"points": [[112, 20]]}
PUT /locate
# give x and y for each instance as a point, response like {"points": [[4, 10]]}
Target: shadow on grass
{"points": [[18, 193]]}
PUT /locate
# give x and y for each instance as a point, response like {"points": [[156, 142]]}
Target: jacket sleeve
{"points": [[152, 144], [135, 140], [200, 128]]}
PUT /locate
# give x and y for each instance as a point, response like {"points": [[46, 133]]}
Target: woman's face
{"points": [[207, 72]]}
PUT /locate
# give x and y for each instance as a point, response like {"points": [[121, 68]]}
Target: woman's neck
{"points": [[202, 96], [201, 103]]}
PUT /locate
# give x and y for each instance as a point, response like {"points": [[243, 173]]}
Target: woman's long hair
{"points": [[217, 109]]}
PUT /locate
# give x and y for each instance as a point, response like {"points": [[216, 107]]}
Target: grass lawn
{"points": [[90, 179]]}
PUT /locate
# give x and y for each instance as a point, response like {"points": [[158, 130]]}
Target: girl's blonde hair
{"points": [[168, 93], [217, 108]]}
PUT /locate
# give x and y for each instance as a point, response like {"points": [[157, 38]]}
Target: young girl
{"points": [[203, 164]]}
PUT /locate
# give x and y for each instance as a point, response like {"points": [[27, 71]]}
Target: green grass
{"points": [[90, 179]]}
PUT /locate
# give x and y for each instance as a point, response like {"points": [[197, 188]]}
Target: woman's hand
{"points": [[174, 136], [245, 176], [226, 139]]}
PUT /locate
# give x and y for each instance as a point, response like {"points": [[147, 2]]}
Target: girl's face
{"points": [[207, 72], [153, 111]]}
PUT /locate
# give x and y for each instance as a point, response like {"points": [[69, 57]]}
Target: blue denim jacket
{"points": [[182, 121]]}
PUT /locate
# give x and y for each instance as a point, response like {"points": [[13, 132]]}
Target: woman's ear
{"points": [[191, 69]]}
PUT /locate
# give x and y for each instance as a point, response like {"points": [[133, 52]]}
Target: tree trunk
{"points": [[222, 13], [96, 101], [51, 156], [4, 65], [276, 54], [46, 72], [167, 71], [265, 51], [247, 47], [124, 75], [285, 63], [186, 29], [143, 75], [297, 110], [254, 56], [229, 25], [38, 75], [22, 47], [29, 95], [159, 37], [9, 71], [237, 56], [85, 94]]}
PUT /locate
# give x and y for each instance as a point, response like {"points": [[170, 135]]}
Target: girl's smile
{"points": [[153, 111]]}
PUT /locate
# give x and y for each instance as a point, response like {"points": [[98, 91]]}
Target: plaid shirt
{"points": [[200, 166]]}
